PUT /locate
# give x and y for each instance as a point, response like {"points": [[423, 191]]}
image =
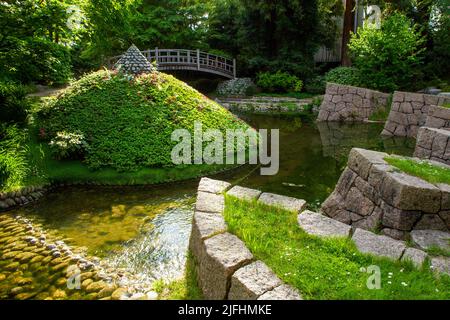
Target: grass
{"points": [[184, 289], [324, 268], [422, 169], [447, 105]]}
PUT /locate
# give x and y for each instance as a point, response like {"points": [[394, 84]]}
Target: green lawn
{"points": [[421, 169], [324, 268]]}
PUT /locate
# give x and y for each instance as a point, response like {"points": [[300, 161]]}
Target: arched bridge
{"points": [[183, 59]]}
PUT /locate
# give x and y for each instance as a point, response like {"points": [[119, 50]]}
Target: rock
{"points": [[356, 202], [368, 242], [431, 222], [406, 192], [360, 161], [441, 264], [427, 239], [283, 202], [252, 281], [86, 283], [208, 202], [244, 193], [138, 296], [283, 292], [59, 294], [96, 286], [416, 256], [213, 186], [395, 234], [12, 266], [399, 219], [205, 225], [119, 293], [319, 225], [107, 291], [16, 290], [221, 256]]}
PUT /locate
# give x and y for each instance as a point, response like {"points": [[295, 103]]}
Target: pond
{"points": [[145, 230]]}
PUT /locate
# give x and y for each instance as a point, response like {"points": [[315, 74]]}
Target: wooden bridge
{"points": [[183, 59]]}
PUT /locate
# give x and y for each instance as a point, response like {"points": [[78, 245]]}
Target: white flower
{"points": [[404, 284]]}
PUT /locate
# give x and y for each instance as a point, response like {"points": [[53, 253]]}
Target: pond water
{"points": [[146, 229]]}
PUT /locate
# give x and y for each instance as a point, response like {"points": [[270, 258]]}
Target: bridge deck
{"points": [[183, 59]]}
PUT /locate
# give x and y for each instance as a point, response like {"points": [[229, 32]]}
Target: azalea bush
{"points": [[68, 145], [236, 87]]}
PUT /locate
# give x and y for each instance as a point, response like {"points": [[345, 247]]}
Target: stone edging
{"points": [[226, 269], [13, 199], [368, 242], [265, 105]]}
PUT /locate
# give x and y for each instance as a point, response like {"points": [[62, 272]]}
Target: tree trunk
{"points": [[349, 24]]}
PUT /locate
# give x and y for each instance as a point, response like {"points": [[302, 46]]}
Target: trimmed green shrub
{"points": [[389, 57], [346, 76], [128, 123], [279, 82], [13, 105]]}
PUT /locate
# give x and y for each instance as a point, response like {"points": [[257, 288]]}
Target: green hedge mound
{"points": [[110, 120]]}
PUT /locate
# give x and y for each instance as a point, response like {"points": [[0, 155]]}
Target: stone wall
{"points": [[347, 103], [410, 111], [226, 269], [265, 105], [433, 144], [438, 117], [372, 194], [11, 200]]}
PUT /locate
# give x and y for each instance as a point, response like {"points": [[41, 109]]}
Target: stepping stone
{"points": [[283, 292], [416, 256], [441, 264], [213, 186], [205, 225], [252, 281], [283, 202], [368, 242], [221, 256], [210, 202], [244, 193], [318, 225], [426, 239]]}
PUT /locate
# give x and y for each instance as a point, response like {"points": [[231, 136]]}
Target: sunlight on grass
{"points": [[421, 169], [324, 269]]}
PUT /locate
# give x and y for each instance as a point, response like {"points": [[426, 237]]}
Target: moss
{"points": [[422, 169]]}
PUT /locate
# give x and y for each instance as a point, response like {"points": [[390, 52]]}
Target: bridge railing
{"points": [[183, 59]]}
